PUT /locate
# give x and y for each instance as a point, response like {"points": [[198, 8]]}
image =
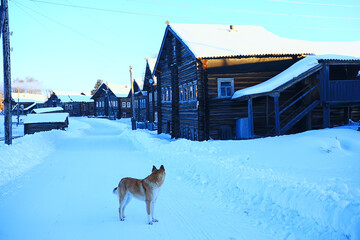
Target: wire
{"points": [[31, 16], [61, 24], [114, 11], [187, 5], [317, 4]]}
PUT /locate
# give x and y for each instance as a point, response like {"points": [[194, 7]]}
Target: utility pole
{"points": [[6, 68], [133, 121]]}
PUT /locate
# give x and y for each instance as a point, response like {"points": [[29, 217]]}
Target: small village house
{"points": [[26, 102], [200, 67], [151, 89], [111, 100], [74, 104]]}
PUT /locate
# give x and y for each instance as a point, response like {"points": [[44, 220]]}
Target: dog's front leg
{"points": [[148, 210], [153, 211]]}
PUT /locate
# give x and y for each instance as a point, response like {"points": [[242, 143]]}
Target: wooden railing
{"points": [[344, 91]]}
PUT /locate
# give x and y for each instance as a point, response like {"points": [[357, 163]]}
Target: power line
{"points": [[31, 16], [197, 6], [61, 24], [113, 11], [187, 5], [317, 4]]}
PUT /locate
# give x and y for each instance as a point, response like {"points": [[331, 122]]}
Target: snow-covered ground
{"points": [[17, 129], [58, 185]]}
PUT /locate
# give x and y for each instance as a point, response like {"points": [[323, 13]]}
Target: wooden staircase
{"points": [[296, 108]]}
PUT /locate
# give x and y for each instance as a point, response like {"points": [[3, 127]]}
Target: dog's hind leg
{"points": [[122, 202], [125, 203]]}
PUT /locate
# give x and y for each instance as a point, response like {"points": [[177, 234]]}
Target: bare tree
{"points": [[97, 85]]}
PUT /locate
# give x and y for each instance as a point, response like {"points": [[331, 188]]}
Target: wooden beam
{"points": [[277, 113], [250, 118], [326, 115], [267, 113], [324, 83]]}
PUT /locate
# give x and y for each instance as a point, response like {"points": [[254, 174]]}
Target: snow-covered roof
{"points": [[29, 107], [294, 71], [28, 97], [119, 89], [210, 40], [60, 92], [151, 62], [74, 98], [48, 110], [46, 118]]}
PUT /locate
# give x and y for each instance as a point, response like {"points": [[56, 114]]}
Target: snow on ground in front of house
{"points": [[58, 185]]}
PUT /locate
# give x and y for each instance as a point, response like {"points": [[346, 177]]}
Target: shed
{"points": [[45, 122], [48, 110]]}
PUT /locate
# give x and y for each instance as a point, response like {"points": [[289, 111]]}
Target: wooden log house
{"points": [[145, 100], [151, 89], [111, 100], [74, 104], [200, 67]]}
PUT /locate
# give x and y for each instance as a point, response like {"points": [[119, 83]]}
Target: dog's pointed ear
{"points": [[162, 167], [154, 168]]}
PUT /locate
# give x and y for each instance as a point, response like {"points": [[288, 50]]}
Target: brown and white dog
{"points": [[146, 189]]}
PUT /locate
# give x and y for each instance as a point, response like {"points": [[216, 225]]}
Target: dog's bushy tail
{"points": [[115, 190]]}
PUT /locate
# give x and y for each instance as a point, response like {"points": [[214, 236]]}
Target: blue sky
{"points": [[69, 44]]}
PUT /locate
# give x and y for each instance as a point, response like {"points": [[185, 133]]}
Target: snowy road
{"points": [[69, 196], [302, 186]]}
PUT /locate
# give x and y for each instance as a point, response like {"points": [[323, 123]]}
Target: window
{"points": [[170, 93], [150, 97], [128, 104], [124, 114], [191, 93], [225, 87], [123, 104], [181, 92], [186, 95], [196, 90]]}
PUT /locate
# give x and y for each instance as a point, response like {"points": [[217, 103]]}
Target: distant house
{"points": [[140, 102], [77, 105], [45, 122], [26, 102], [74, 104], [53, 101], [199, 68], [109, 100], [151, 89]]}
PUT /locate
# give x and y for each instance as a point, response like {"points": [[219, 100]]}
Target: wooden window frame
{"points": [[221, 80]]}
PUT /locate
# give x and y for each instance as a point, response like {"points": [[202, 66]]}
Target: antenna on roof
{"points": [[167, 22]]}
